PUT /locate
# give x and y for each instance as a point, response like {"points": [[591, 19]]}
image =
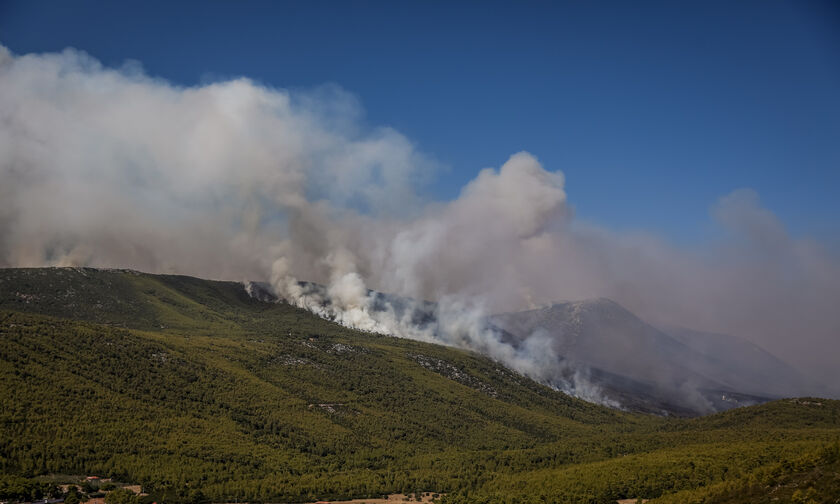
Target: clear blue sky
{"points": [[652, 110]]}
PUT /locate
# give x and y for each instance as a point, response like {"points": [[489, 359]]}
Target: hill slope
{"points": [[183, 384]]}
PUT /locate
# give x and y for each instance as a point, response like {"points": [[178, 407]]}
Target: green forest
{"points": [[200, 393]]}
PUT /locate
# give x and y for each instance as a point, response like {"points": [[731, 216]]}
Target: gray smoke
{"points": [[109, 167]]}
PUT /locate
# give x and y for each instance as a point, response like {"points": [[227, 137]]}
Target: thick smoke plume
{"points": [[112, 168]]}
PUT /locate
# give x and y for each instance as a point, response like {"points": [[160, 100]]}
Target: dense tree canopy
{"points": [[200, 393]]}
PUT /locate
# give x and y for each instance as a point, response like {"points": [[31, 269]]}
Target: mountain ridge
{"points": [[637, 365], [605, 337], [686, 381]]}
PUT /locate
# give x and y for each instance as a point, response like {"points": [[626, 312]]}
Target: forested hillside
{"points": [[199, 392]]}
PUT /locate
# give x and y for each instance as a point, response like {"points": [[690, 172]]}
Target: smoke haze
{"points": [[109, 167]]}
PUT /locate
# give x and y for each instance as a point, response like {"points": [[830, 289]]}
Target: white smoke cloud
{"points": [[112, 168]]}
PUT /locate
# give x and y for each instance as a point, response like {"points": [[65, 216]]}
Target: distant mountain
{"points": [[743, 365], [650, 369], [617, 358]]}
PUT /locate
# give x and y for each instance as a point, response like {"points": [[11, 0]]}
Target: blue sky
{"points": [[652, 110]]}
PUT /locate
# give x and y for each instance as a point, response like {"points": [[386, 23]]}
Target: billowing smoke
{"points": [[110, 167]]}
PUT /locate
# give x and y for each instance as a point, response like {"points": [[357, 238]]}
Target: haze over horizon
{"points": [[247, 177]]}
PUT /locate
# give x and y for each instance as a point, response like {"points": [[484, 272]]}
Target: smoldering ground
{"points": [[110, 167]]}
